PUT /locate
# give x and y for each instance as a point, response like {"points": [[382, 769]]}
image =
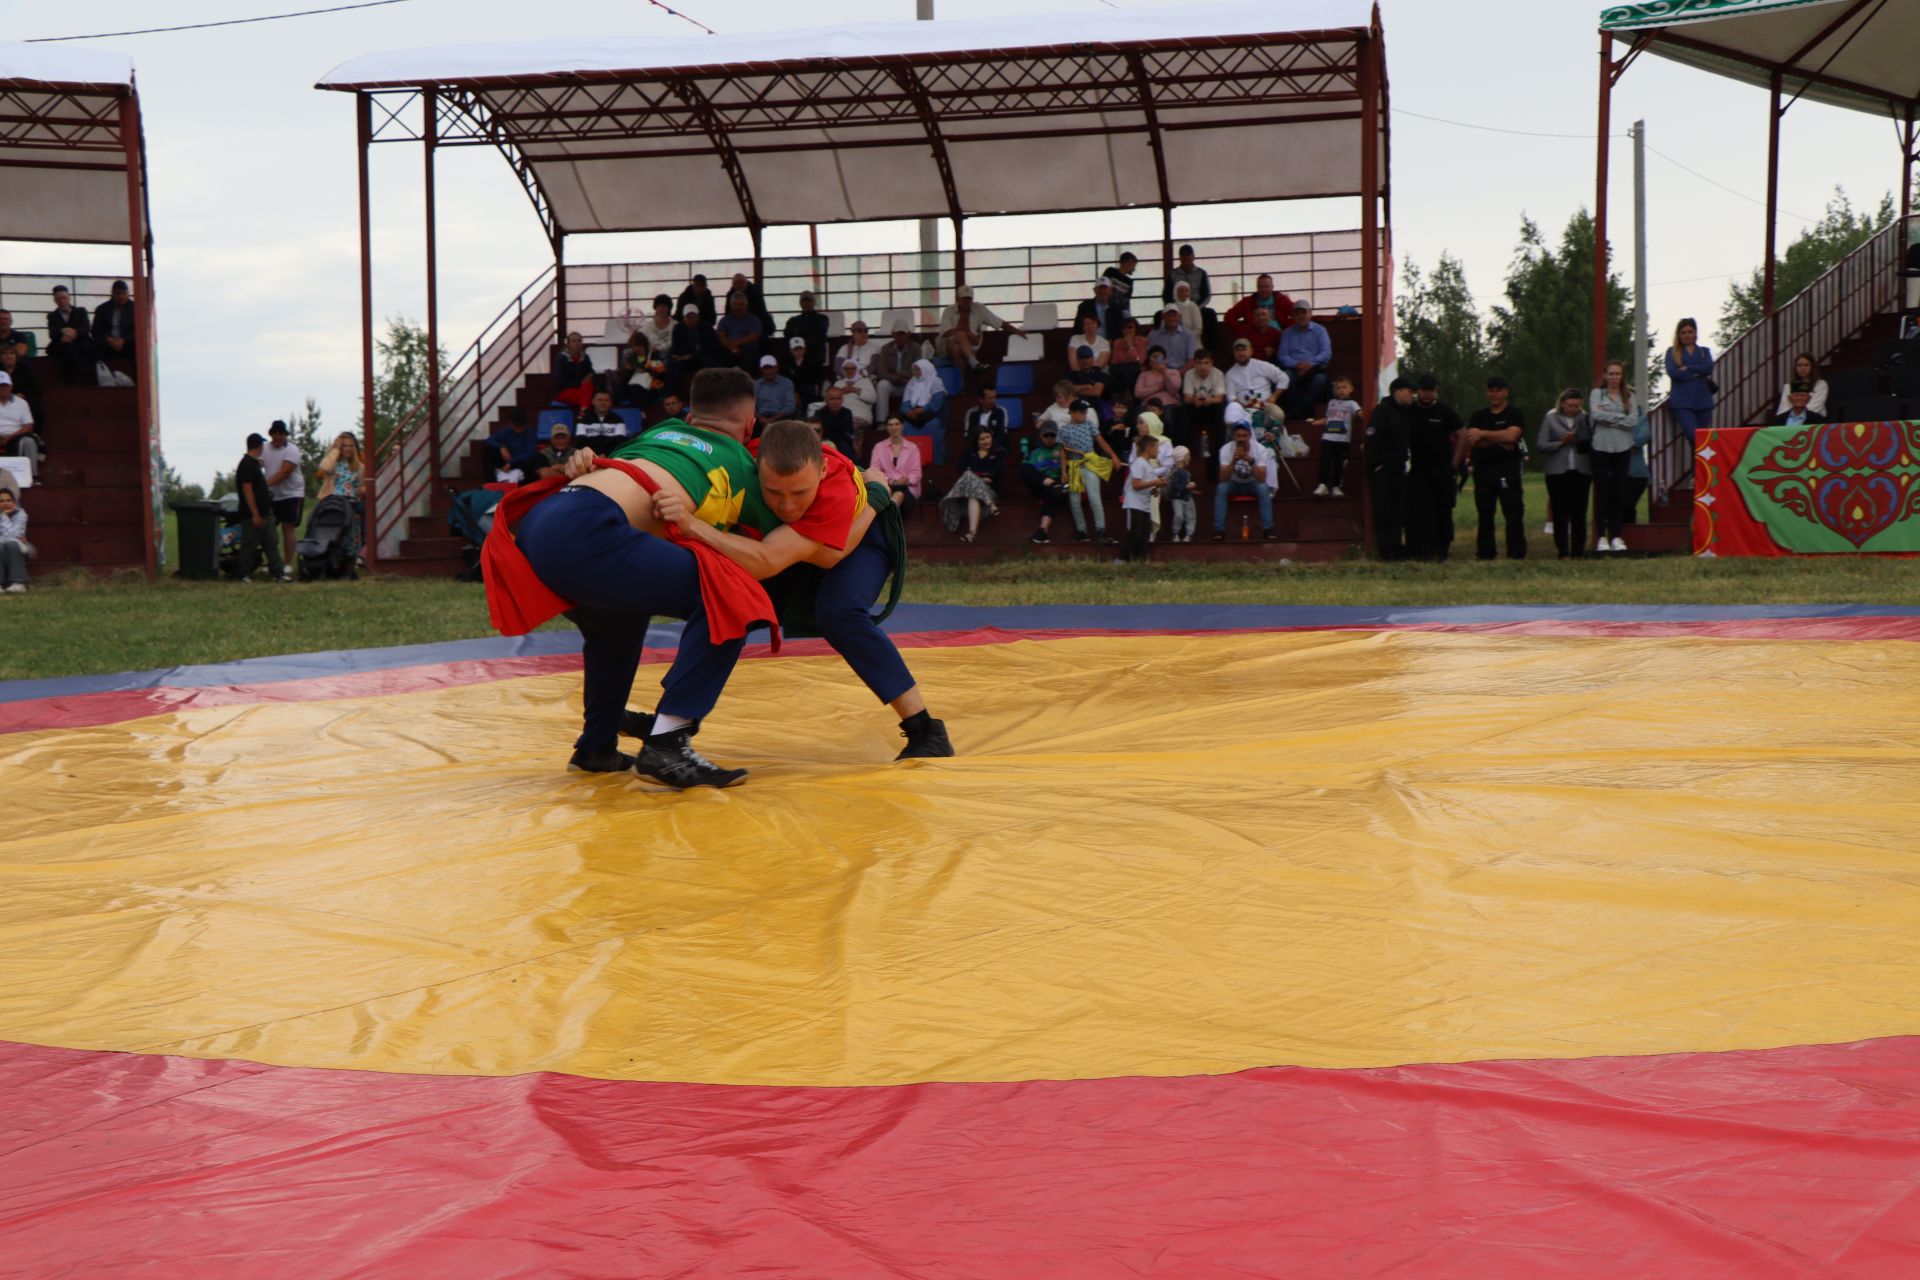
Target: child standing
{"points": [[1144, 479], [1180, 493], [1336, 437]]}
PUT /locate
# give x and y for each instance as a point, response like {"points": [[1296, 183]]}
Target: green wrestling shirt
{"points": [[717, 472]]}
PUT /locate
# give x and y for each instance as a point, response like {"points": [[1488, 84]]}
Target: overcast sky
{"points": [[253, 178]]}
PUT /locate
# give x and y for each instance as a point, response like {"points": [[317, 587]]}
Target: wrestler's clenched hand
{"points": [[580, 464], [672, 508]]}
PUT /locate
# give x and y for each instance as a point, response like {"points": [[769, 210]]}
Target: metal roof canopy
{"points": [[69, 143], [1051, 114]]}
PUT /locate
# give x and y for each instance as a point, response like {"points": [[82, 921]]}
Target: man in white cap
{"points": [[17, 436], [773, 395], [961, 325]]}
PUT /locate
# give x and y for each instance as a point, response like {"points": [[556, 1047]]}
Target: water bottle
{"points": [[1246, 527], [1026, 446]]}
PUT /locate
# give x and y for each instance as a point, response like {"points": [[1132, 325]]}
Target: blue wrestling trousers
{"points": [[843, 613]]}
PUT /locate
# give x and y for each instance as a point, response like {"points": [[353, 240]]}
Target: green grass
{"points": [[71, 624]]}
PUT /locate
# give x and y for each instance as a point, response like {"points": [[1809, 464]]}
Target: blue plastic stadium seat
{"points": [[950, 379], [544, 428], [1016, 414], [635, 420], [1013, 379]]}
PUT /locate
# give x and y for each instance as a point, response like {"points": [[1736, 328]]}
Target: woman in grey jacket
{"points": [[1566, 435], [1614, 414]]}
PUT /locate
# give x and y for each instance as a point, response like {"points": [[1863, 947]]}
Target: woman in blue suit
{"points": [[1690, 371]]}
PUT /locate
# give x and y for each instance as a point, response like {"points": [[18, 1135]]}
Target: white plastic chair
{"points": [[1040, 315], [836, 324], [897, 318]]}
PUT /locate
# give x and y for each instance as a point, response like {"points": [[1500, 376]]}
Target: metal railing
{"points": [[30, 297], [473, 388], [1752, 368]]}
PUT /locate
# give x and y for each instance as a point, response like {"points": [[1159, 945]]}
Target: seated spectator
{"points": [[1121, 277], [1189, 310], [836, 422], [773, 394], [19, 341], [671, 409], [1088, 339], [1158, 386], [113, 325], [857, 390], [1088, 378], [977, 488], [26, 382], [1104, 311], [515, 448], [17, 436], [1172, 337], [1252, 381], [893, 368], [809, 323], [698, 296], [642, 374], [1305, 353], [286, 485], [1060, 412], [658, 327], [1242, 317], [859, 348], [1203, 399], [1040, 472], [1122, 423], [694, 348], [1145, 480], [1243, 471], [599, 423], [895, 462], [341, 473], [257, 534], [1125, 358], [806, 365], [552, 460], [1799, 408], [1262, 333], [961, 325], [573, 373], [756, 303], [923, 403], [14, 547], [739, 333], [1180, 494], [1807, 370], [988, 415], [70, 337]]}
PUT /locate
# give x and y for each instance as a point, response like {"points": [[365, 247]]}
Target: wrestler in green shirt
{"points": [[718, 473]]}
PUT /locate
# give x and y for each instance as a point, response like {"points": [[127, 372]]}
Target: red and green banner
{"points": [[1837, 488]]}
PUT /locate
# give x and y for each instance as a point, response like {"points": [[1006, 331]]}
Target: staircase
{"points": [[88, 503]]}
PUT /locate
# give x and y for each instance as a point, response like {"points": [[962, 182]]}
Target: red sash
{"points": [[517, 601]]}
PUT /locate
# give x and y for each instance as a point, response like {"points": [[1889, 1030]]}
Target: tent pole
{"points": [[959, 252], [142, 281], [1600, 209], [430, 108], [759, 256], [1372, 317], [1906, 167], [363, 128], [1166, 238], [1773, 221]]}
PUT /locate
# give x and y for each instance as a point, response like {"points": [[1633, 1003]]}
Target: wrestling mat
{"points": [[1239, 942]]}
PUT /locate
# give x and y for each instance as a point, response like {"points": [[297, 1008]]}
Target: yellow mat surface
{"points": [[1156, 856]]}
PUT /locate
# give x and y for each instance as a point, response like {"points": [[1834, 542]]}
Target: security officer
{"points": [[1497, 450], [1436, 449], [1389, 427]]}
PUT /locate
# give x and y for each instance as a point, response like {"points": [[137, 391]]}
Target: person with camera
{"points": [[1243, 472]]}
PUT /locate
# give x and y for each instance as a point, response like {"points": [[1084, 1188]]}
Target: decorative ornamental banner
{"points": [[1843, 487]]}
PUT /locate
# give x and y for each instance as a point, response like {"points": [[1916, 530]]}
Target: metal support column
{"points": [[959, 252], [144, 364], [363, 128], [559, 286], [1604, 131], [1372, 320], [1773, 223], [430, 136]]}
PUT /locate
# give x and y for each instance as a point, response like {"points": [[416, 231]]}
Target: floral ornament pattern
{"points": [[1838, 487], [1655, 13]]}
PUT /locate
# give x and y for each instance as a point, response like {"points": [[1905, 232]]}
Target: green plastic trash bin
{"points": [[199, 539]]}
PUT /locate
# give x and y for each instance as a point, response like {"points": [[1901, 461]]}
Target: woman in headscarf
{"points": [[857, 391], [922, 404]]}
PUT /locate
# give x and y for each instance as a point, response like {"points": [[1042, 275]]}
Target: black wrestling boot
{"points": [[669, 759], [608, 761], [926, 738]]}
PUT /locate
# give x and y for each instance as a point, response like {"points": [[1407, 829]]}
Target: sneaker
{"points": [[1547, 528], [1039, 535], [1080, 536], [1320, 491], [926, 738], [669, 758], [1338, 492], [286, 573], [1619, 544], [17, 589], [1219, 536], [1108, 539], [608, 761], [1269, 535]]}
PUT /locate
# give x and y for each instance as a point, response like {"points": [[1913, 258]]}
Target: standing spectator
{"points": [[1190, 274], [1496, 451], [14, 547], [1103, 309], [256, 516], [286, 485], [1145, 480], [895, 462], [1203, 399], [893, 368], [1637, 475], [1173, 338], [19, 341], [773, 394], [809, 323], [1389, 437], [1089, 339], [739, 333], [113, 325], [693, 348], [26, 383], [700, 297], [1244, 465], [573, 373], [1083, 469], [977, 488], [1436, 450], [961, 325], [923, 403], [1690, 370], [1806, 369], [1336, 438], [856, 390], [70, 336], [1243, 317], [1190, 318], [1149, 427], [859, 348], [1041, 472], [1251, 381], [1799, 408], [600, 424], [1566, 440], [1305, 351], [1126, 357], [837, 424], [1157, 387], [988, 415], [552, 460], [341, 473], [1121, 276], [17, 436], [806, 365], [1614, 414], [658, 327], [515, 449], [1181, 492]]}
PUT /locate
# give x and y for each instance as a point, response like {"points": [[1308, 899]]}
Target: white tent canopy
{"points": [[1860, 54], [1055, 113], [63, 151]]}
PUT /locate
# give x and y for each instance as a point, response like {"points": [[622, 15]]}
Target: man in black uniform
{"points": [[1436, 450], [1495, 448], [1388, 428]]}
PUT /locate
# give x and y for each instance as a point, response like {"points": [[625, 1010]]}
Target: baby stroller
{"points": [[230, 534], [325, 551], [470, 517]]}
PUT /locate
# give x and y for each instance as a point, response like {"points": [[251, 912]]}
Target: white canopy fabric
{"points": [[1859, 54], [1054, 113], [62, 151]]}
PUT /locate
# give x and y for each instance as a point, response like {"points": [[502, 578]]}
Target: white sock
{"points": [[667, 724]]}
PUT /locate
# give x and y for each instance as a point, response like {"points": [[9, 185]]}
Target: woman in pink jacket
{"points": [[896, 463]]}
